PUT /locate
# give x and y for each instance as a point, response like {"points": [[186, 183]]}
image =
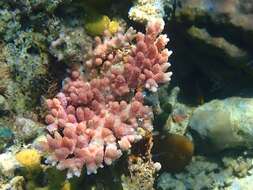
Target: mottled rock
{"points": [[71, 45], [8, 164], [213, 43], [224, 124], [3, 103], [17, 183], [177, 121], [145, 10], [230, 173], [242, 183], [6, 136], [27, 129]]}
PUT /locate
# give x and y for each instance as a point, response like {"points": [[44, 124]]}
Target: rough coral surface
{"points": [[145, 10], [131, 66], [100, 112]]}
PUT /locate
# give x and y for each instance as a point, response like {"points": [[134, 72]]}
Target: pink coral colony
{"points": [[100, 111]]}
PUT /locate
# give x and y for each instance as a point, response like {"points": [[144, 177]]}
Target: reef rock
{"points": [[27, 129], [8, 164], [224, 124], [228, 173], [220, 36]]}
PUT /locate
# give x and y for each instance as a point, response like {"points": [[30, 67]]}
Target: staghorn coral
{"points": [[131, 67], [92, 121], [93, 125]]}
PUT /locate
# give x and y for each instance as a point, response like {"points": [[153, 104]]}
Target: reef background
{"points": [[208, 103]]}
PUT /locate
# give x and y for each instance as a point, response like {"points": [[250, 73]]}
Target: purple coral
{"points": [[100, 114]]}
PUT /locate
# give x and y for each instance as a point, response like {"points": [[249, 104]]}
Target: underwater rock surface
{"points": [[212, 43], [219, 35], [224, 124], [228, 173]]}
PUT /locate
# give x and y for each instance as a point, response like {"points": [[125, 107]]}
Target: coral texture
{"points": [[100, 112], [129, 66], [144, 10]]}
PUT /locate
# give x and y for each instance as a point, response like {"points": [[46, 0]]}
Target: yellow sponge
{"points": [[29, 158], [97, 25], [113, 26]]}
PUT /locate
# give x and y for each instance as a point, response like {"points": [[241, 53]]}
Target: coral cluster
{"points": [[143, 65], [100, 112]]}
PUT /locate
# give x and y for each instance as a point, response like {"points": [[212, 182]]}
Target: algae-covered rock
{"points": [[228, 173], [28, 64], [213, 40], [17, 183], [177, 121], [9, 24], [27, 129], [3, 104], [27, 58], [8, 164], [223, 124], [6, 136], [242, 183], [71, 45]]}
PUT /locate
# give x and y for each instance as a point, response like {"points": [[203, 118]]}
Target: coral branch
{"points": [[100, 112]]}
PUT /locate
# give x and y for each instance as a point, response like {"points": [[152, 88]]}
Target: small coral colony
{"points": [[100, 112]]}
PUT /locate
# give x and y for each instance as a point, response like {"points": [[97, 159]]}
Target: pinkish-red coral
{"points": [[148, 62], [129, 66], [100, 112], [88, 127]]}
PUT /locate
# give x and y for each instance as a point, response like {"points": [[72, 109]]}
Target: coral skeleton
{"points": [[100, 111]]}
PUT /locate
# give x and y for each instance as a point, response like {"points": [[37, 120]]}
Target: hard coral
{"points": [[87, 126], [129, 66], [148, 62], [100, 112]]}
